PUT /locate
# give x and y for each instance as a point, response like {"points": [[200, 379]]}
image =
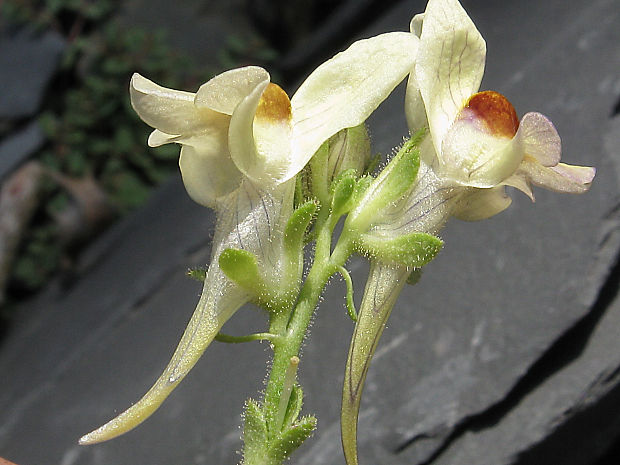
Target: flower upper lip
{"points": [[239, 124]]}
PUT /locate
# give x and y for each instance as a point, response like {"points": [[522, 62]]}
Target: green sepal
{"points": [[294, 407], [389, 186], [372, 164], [346, 174], [413, 250], [414, 276], [241, 267], [199, 274], [318, 184], [361, 186], [297, 225], [343, 190], [254, 434], [402, 171], [292, 438]]}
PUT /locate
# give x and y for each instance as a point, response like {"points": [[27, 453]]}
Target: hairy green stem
{"points": [[325, 265]]}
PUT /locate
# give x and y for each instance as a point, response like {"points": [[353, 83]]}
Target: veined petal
{"points": [[450, 63], [476, 158], [560, 178], [226, 90], [207, 176], [382, 289], [425, 209], [346, 89], [219, 301], [171, 111], [260, 134], [480, 204], [415, 111], [540, 139], [255, 217], [250, 219]]}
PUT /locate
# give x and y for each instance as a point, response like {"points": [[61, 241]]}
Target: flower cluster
{"points": [[272, 166]]}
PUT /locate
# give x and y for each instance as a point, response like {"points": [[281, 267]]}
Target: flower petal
{"points": [[226, 90], [260, 134], [474, 157], [450, 63], [171, 111], [219, 301], [415, 25], [157, 138], [521, 181], [346, 89], [560, 178], [206, 175], [540, 139], [481, 204], [259, 232], [415, 111], [256, 218]]}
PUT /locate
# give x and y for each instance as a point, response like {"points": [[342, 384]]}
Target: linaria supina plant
{"points": [[282, 172]]}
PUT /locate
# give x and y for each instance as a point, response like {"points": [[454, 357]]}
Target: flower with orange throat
{"points": [[478, 139], [243, 141]]}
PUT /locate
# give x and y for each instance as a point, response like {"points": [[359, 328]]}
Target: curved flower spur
{"points": [[242, 144], [476, 146]]}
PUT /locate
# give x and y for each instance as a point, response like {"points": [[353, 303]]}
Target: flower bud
{"points": [[348, 149]]}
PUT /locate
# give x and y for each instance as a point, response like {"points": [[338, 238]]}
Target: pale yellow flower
{"points": [[242, 143], [476, 146], [478, 139]]}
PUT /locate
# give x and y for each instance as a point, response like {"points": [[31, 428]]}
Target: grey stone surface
{"points": [[447, 379], [27, 61], [17, 147]]}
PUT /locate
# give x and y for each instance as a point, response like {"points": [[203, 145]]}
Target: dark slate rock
{"points": [[347, 19], [27, 62], [17, 147], [62, 349], [499, 297], [570, 416]]}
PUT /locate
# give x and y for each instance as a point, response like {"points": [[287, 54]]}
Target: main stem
{"points": [[325, 264]]}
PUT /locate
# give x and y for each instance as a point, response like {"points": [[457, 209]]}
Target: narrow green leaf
{"points": [[292, 438], [297, 226], [254, 434], [389, 186], [344, 188], [294, 407], [401, 172]]}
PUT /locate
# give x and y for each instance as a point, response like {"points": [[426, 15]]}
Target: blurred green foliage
{"points": [[91, 128]]}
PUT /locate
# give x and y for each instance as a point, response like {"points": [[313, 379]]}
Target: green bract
{"points": [[412, 250], [389, 187]]}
